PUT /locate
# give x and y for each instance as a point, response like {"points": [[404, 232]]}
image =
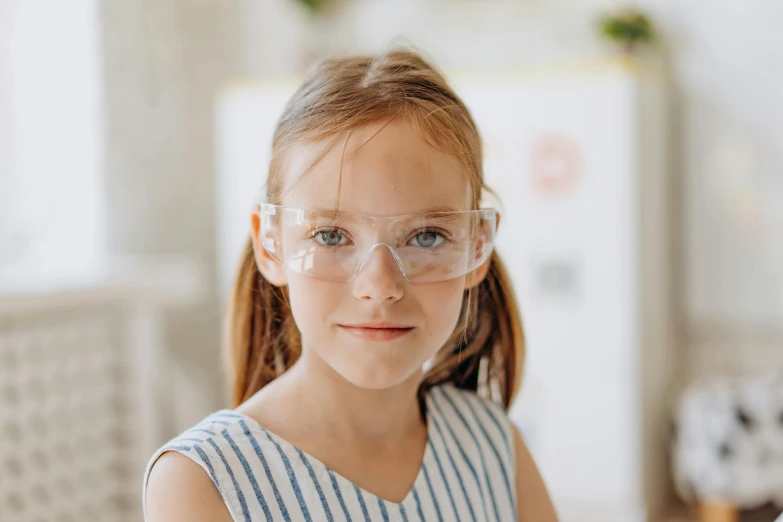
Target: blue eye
{"points": [[328, 237], [428, 239]]}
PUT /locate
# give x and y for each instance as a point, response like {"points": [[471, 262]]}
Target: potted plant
{"points": [[627, 28]]}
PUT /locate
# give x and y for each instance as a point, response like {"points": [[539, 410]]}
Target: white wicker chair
{"points": [[78, 406]]}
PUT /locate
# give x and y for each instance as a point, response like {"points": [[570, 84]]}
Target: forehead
{"points": [[387, 169]]}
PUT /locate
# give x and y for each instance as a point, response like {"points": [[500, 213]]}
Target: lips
{"points": [[378, 324], [377, 331]]}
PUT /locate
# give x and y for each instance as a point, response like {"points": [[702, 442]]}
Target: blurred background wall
{"points": [[162, 64], [107, 152]]}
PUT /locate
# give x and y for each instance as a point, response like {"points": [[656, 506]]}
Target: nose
{"points": [[379, 277]]}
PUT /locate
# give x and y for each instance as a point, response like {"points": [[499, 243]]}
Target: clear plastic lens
{"points": [[335, 245]]}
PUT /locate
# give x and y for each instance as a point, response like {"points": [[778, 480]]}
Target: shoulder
{"points": [[459, 399], [468, 411], [534, 502], [486, 423], [178, 489], [184, 479]]}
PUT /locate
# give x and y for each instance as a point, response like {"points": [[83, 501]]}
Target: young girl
{"points": [[368, 312]]}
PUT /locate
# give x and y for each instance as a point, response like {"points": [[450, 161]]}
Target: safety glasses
{"points": [[335, 246]]}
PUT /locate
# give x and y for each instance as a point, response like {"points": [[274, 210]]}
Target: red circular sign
{"points": [[556, 165]]}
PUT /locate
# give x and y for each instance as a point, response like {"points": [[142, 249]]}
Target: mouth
{"points": [[379, 331]]}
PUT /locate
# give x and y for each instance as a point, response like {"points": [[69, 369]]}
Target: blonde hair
{"points": [[338, 96]]}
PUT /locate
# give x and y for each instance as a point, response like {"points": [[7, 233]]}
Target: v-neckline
{"points": [[418, 483]]}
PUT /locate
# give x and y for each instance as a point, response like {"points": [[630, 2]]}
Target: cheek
{"points": [[311, 302], [441, 304]]}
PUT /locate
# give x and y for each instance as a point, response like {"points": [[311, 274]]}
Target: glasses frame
{"points": [[268, 209]]}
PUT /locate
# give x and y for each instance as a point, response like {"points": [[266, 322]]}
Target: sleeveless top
{"points": [[467, 472]]}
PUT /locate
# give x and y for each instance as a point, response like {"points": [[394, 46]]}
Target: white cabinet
{"points": [[579, 159]]}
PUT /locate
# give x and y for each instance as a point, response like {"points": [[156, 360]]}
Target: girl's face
{"points": [[386, 171]]}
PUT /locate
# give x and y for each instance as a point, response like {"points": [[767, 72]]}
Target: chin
{"points": [[375, 376]]}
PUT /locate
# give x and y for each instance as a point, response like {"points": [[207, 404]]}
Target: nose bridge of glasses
{"points": [[367, 257]]}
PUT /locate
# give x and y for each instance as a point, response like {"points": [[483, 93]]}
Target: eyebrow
{"points": [[325, 213], [436, 210]]}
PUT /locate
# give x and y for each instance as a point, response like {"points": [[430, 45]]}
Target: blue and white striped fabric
{"points": [[467, 474]]}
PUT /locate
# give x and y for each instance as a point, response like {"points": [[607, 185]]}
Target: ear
{"points": [[478, 274], [272, 271], [475, 277]]}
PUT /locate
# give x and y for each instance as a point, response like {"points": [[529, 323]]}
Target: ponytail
{"points": [[261, 339], [488, 347]]}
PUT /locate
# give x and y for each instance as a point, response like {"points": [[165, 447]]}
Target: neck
{"points": [[335, 407]]}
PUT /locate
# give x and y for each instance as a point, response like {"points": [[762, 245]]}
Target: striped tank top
{"points": [[467, 473]]}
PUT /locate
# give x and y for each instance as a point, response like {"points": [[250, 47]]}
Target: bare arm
{"points": [[179, 490], [534, 504]]}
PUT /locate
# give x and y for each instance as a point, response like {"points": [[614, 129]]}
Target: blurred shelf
{"points": [[767, 513], [168, 281]]}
